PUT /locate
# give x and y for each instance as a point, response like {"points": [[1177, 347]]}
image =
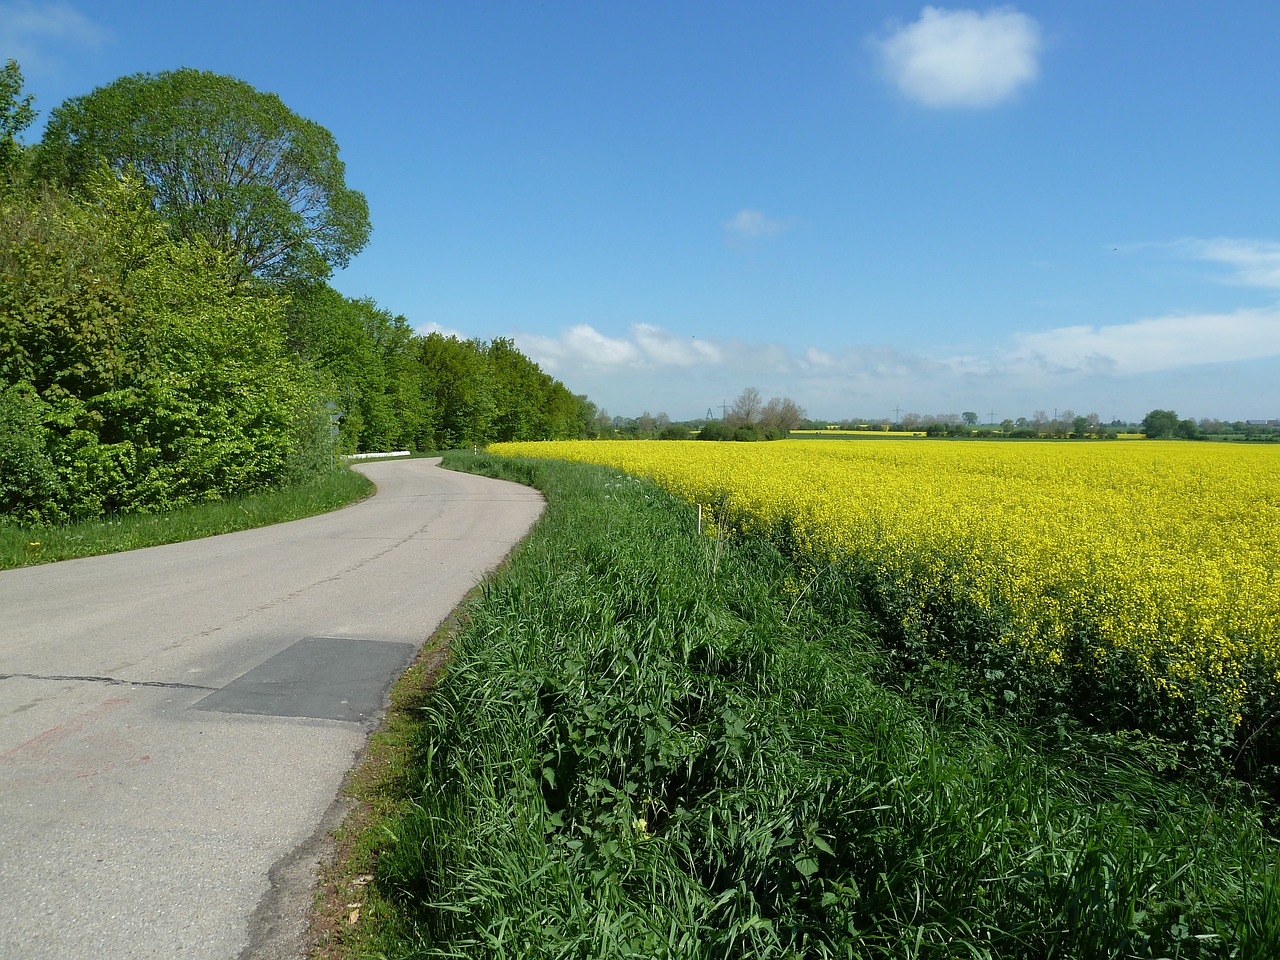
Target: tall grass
{"points": [[645, 746], [24, 545]]}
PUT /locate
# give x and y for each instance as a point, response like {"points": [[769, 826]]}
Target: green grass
{"points": [[646, 745], [23, 546]]}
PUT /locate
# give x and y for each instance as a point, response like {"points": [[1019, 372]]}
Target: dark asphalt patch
{"points": [[326, 678]]}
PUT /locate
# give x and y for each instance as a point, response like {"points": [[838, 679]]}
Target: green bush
{"points": [[30, 489], [145, 376]]}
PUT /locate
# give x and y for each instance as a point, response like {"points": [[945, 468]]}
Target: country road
{"points": [[175, 722]]}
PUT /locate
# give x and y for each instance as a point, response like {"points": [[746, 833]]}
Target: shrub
{"points": [[30, 489]]}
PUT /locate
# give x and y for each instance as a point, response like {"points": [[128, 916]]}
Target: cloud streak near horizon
{"points": [[1116, 350]]}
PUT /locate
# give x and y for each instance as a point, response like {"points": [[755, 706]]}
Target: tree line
{"points": [[168, 334], [749, 418], [1156, 425]]}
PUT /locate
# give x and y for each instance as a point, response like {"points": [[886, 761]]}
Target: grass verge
{"points": [[23, 546], [646, 745]]}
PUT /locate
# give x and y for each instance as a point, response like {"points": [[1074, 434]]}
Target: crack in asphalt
{"points": [[113, 681]]}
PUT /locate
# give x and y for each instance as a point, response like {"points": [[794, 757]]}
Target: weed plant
{"points": [[25, 545], [644, 746]]}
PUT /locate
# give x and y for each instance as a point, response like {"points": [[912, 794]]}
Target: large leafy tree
{"points": [[224, 162], [1164, 425]]}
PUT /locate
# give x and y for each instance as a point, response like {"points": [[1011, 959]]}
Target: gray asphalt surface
{"points": [[175, 722]]}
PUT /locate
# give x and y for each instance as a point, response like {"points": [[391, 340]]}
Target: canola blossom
{"points": [[1160, 559]]}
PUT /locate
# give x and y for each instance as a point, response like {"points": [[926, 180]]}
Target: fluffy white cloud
{"points": [[647, 348], [664, 348], [579, 346], [962, 58], [749, 224]]}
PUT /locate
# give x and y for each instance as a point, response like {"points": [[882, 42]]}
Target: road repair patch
{"points": [[326, 678]]}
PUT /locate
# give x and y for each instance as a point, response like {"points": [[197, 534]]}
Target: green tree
{"points": [[1160, 424], [412, 397], [223, 161], [520, 393], [1187, 430], [16, 114], [66, 322], [463, 390], [367, 360], [565, 414], [714, 430]]}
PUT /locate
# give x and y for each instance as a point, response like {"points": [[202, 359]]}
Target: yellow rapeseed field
{"points": [[1162, 557]]}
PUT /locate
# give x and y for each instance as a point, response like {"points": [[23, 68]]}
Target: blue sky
{"points": [[864, 206]]}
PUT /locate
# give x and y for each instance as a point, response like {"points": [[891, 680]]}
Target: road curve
{"points": [[175, 722]]}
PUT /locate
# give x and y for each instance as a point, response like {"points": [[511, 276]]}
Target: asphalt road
{"points": [[175, 722]]}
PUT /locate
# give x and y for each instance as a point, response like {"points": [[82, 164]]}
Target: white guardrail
{"points": [[368, 456]]}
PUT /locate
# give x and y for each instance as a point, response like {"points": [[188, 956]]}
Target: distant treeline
{"points": [[168, 334]]}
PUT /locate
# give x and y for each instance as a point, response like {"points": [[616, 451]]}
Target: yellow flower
{"points": [[1161, 555]]}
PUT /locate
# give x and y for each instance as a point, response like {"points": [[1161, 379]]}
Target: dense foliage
{"points": [[154, 353], [136, 373], [647, 745]]}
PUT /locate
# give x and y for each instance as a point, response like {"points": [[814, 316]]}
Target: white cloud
{"points": [[579, 346], [1256, 262], [664, 348], [1150, 345], [653, 350], [647, 348], [26, 29], [962, 58], [749, 224]]}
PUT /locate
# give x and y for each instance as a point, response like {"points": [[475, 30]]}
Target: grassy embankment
{"points": [[22, 546], [645, 746]]}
